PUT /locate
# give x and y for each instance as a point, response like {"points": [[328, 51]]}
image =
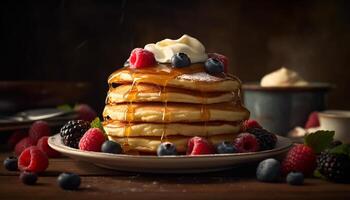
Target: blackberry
{"points": [[72, 131], [266, 139], [334, 167]]}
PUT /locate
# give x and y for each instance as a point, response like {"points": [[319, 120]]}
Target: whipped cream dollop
{"points": [[165, 49], [283, 77]]}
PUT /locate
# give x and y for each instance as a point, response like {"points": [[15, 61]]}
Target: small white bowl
{"points": [[338, 121]]}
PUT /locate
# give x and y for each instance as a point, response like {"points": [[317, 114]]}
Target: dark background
{"points": [[86, 40]]}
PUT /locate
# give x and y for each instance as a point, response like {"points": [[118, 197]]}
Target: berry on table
{"points": [[23, 144], [265, 139], [111, 147], [10, 163], [44, 146], [226, 147], [246, 142], [16, 137], [33, 159], [268, 170], [295, 178], [69, 181], [92, 140], [199, 146], [140, 58], [214, 66], [300, 158], [335, 167], [28, 178], [180, 60], [38, 130], [221, 58], [166, 149], [85, 112], [72, 132]]}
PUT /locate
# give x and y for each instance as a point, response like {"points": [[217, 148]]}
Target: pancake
{"points": [[154, 93], [118, 129], [193, 77], [175, 112], [150, 144]]}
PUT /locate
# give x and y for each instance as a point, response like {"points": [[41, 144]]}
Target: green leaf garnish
{"points": [[319, 140], [96, 123], [341, 149], [65, 107], [318, 174]]}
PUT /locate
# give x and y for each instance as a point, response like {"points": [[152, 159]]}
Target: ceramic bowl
{"points": [[280, 109], [338, 121]]}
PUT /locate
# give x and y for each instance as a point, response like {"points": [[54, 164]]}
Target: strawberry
{"points": [[312, 121], [199, 146], [23, 144], [92, 140], [221, 58], [140, 58], [301, 158]]}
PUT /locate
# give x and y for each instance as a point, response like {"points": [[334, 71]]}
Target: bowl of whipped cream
{"points": [[283, 100]]}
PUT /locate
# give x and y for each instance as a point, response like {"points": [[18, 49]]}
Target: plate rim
{"points": [[77, 152]]}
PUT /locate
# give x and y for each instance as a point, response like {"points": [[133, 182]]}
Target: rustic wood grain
{"points": [[99, 183]]}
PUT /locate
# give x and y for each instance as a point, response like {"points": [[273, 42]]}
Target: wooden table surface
{"points": [[98, 183]]}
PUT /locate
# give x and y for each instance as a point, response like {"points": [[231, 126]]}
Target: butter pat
{"points": [[165, 49], [283, 77]]}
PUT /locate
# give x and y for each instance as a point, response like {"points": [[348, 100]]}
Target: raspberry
{"points": [[92, 140], [32, 159], [16, 137], [250, 123], [85, 112], [246, 142], [334, 167], [199, 146], [140, 58], [300, 158], [266, 139], [44, 146], [72, 131], [312, 121], [221, 58], [23, 144], [38, 130]]}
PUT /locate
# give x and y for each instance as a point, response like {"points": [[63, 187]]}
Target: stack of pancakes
{"points": [[145, 107]]}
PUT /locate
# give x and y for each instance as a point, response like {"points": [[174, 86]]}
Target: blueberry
{"points": [[111, 147], [10, 163], [28, 178], [69, 181], [180, 60], [295, 178], [214, 66], [268, 170], [226, 147], [166, 148]]}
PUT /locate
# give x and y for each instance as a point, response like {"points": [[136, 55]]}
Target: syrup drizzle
{"points": [[160, 75]]}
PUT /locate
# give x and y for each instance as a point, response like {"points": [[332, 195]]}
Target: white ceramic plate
{"points": [[169, 164]]}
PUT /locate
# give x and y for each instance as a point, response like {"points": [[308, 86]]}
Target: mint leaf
{"points": [[341, 149], [318, 174], [96, 123], [65, 107], [319, 140]]}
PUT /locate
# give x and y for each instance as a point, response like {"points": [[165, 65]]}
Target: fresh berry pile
{"points": [[72, 131]]}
